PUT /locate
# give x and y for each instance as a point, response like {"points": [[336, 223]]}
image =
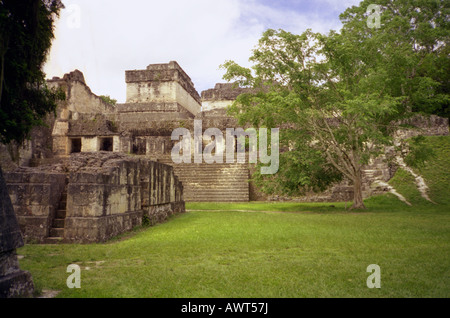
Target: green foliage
{"points": [[107, 99], [412, 49], [300, 171], [26, 32], [435, 169], [337, 97], [146, 221], [419, 152]]}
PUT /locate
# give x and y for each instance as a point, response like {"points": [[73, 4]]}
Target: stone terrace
{"points": [[94, 197]]}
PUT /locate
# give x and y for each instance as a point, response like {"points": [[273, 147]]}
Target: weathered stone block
{"points": [[13, 281], [34, 228]]}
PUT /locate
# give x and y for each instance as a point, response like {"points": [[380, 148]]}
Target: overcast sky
{"points": [[103, 38]]}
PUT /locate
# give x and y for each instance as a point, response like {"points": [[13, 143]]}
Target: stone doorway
{"points": [[75, 145], [106, 144]]}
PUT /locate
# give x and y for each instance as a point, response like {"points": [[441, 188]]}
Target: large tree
{"points": [[26, 32], [337, 96]]}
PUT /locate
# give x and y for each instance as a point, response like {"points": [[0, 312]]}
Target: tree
{"points": [[337, 96], [411, 42], [26, 32]]}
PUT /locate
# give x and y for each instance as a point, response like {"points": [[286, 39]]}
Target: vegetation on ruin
{"points": [[339, 97], [107, 99], [296, 250]]}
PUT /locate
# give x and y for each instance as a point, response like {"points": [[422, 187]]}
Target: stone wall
{"points": [[13, 281], [221, 96], [162, 192], [107, 194], [162, 83], [431, 125], [35, 195], [110, 193], [79, 100]]}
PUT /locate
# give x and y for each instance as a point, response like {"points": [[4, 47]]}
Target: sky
{"points": [[104, 38]]}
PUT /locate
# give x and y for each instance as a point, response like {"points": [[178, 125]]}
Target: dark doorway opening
{"points": [[139, 146], [75, 145], [106, 144]]}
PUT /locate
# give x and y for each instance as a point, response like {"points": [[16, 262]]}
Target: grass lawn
{"points": [[302, 253], [295, 250]]}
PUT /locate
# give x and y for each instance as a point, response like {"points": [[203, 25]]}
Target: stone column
{"points": [[14, 282]]}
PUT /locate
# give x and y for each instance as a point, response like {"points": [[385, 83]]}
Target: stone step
{"points": [[206, 174], [58, 223], [196, 199], [212, 181], [60, 214], [62, 205], [211, 198], [210, 167], [212, 178], [202, 172], [227, 179], [214, 171], [214, 187], [215, 192], [51, 161], [221, 182], [212, 192], [217, 184], [57, 232], [204, 164], [214, 195], [53, 240], [170, 161], [209, 173]]}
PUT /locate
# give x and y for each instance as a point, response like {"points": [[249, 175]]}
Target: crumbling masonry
{"points": [[98, 169]]}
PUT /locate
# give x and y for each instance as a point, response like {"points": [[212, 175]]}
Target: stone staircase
{"points": [[217, 182], [57, 230], [375, 174]]}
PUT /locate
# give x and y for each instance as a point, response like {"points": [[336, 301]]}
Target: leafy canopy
{"points": [[337, 96], [26, 32]]}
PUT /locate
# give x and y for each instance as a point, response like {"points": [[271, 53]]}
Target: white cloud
{"points": [[114, 36]]}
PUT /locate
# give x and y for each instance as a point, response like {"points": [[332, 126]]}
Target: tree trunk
{"points": [[358, 202]]}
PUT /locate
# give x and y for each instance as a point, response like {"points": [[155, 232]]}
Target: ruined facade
{"points": [[99, 169], [92, 197], [14, 282], [221, 96], [160, 98]]}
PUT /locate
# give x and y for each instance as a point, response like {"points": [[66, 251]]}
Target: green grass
{"points": [[236, 254], [298, 250]]}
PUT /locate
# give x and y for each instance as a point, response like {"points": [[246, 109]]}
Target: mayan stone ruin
{"points": [[14, 282], [97, 170]]}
